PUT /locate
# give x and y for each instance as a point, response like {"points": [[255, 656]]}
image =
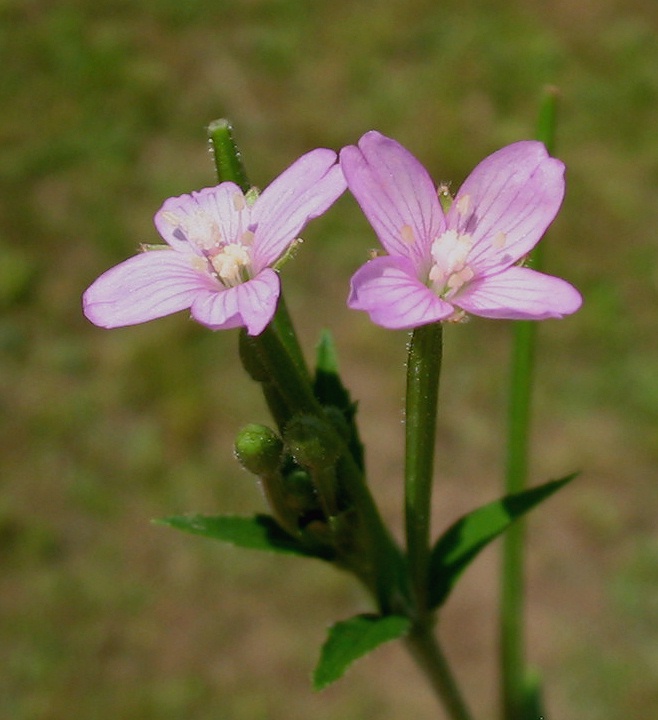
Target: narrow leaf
{"points": [[462, 542], [260, 532], [351, 639]]}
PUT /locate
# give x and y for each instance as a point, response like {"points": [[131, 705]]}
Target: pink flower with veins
{"points": [[468, 259], [220, 252]]}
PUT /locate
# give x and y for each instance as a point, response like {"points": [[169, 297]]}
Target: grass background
{"points": [[104, 103]]}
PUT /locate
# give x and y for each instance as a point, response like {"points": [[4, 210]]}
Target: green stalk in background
{"points": [[516, 692]]}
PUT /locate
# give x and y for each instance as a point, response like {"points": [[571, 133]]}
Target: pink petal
{"points": [[302, 192], [251, 304], [142, 288], [206, 216], [507, 203], [519, 294], [389, 291], [395, 193]]}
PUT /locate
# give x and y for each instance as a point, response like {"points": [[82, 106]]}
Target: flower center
{"points": [[231, 264], [450, 270], [228, 259]]}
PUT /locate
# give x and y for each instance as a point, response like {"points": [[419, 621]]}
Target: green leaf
{"points": [[351, 639], [260, 532], [462, 542]]}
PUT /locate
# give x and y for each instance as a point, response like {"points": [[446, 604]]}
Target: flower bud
{"points": [[312, 442], [258, 449], [337, 418], [300, 493]]}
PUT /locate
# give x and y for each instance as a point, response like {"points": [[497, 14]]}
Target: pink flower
{"points": [[466, 259], [220, 253]]}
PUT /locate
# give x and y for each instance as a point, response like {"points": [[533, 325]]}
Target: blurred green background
{"points": [[104, 103]]}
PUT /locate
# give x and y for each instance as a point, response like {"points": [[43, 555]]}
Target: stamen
{"points": [[459, 316], [407, 234], [171, 218], [499, 240], [460, 278], [463, 204], [199, 263], [238, 202]]}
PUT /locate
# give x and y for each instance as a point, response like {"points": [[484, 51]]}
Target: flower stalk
{"points": [[512, 618], [423, 379], [423, 372]]}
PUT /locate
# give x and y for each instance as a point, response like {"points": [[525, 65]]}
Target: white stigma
{"points": [[450, 270]]}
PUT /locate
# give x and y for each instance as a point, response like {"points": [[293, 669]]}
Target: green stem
{"points": [[282, 324], [427, 653], [423, 371], [423, 375], [512, 635]]}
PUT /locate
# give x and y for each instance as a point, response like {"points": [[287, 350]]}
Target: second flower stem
{"points": [[423, 374], [423, 371]]}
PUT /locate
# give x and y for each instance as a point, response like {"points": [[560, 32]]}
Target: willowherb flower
{"points": [[467, 259], [220, 254]]}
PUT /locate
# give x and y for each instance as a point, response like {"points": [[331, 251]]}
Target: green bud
{"points": [[258, 449], [312, 442], [337, 418], [228, 160], [299, 492]]}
